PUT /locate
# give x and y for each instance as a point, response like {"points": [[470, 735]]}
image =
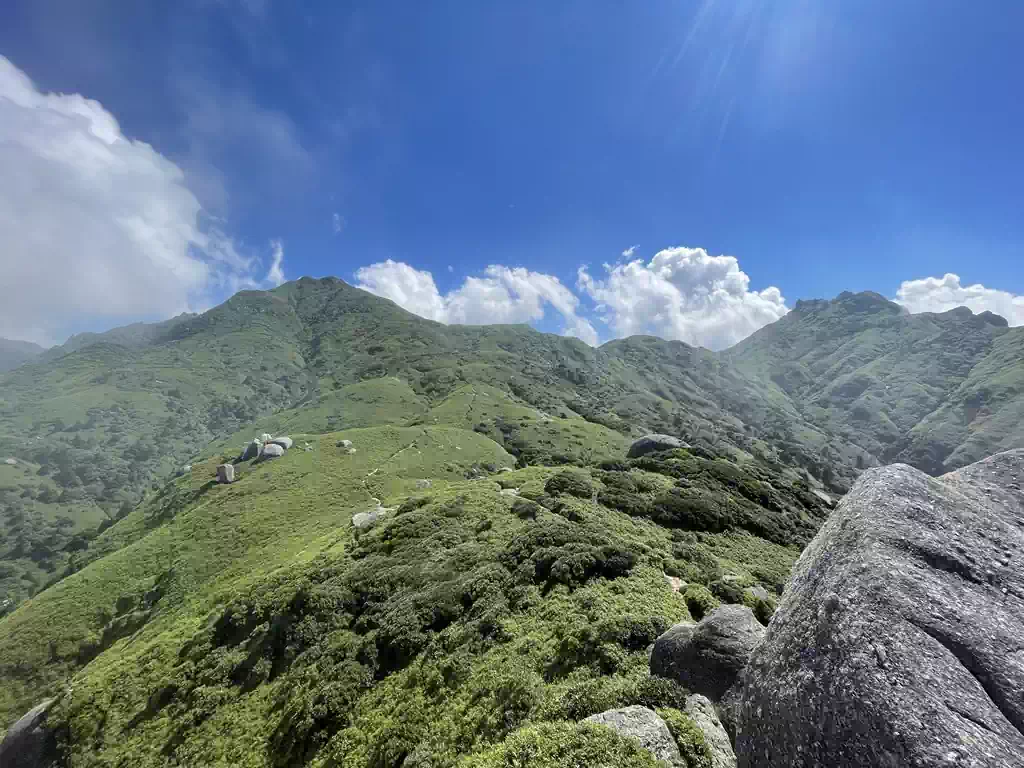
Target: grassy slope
{"points": [[250, 625], [14, 353], [201, 541], [899, 386]]}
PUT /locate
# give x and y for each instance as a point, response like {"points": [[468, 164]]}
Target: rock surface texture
{"points": [[651, 443], [703, 714], [707, 657], [25, 745], [252, 450], [225, 473], [271, 451], [645, 726], [900, 641], [284, 442]]}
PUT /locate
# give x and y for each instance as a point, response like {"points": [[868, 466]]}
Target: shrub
{"points": [[625, 501], [699, 601], [764, 610], [689, 737], [525, 509], [574, 482], [691, 509], [727, 591]]}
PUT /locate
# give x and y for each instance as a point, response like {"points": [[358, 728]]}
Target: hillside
{"points": [[832, 388], [516, 566], [14, 353], [106, 416], [937, 391]]}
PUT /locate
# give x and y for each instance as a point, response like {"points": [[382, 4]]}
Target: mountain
{"points": [[96, 422], [14, 353], [937, 391], [515, 565]]}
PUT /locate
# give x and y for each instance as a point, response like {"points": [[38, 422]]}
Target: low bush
{"points": [[574, 482]]}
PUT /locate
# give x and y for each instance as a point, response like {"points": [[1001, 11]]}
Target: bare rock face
{"points": [[900, 641], [225, 473], [284, 442], [645, 726], [707, 657], [704, 716], [27, 742], [651, 443], [252, 450]]}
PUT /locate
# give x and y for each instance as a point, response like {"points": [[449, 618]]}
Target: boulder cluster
{"points": [[262, 448]]}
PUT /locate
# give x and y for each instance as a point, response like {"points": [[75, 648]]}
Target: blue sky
{"points": [[824, 146]]}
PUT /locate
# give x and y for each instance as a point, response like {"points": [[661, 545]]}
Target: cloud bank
{"points": [[97, 227], [502, 295], [941, 294], [684, 294]]}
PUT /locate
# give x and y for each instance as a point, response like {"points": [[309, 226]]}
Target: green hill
{"points": [[14, 353], [519, 566]]}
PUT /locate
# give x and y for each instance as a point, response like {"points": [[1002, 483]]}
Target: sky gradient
{"points": [[688, 169]]}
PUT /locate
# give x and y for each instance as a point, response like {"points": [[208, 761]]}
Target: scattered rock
{"points": [[505, 470], [422, 484], [703, 714], [343, 444], [252, 450], [708, 657], [10, 462], [364, 520], [284, 442], [645, 726], [651, 443], [27, 742], [508, 492], [226, 473], [760, 592], [900, 633], [272, 451], [675, 583], [350, 451]]}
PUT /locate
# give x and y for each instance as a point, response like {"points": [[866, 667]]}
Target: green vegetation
{"points": [[250, 624], [487, 611], [14, 353]]}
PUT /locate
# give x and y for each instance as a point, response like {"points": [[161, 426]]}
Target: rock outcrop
{"points": [[704, 716], [27, 741], [11, 462], [226, 473], [343, 444], [252, 450], [284, 442], [707, 657], [645, 726], [900, 641], [651, 443]]}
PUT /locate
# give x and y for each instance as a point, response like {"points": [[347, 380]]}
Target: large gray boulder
{"points": [[651, 443], [707, 657], [704, 716], [27, 743], [645, 726], [284, 442], [271, 451], [225, 473], [900, 641]]}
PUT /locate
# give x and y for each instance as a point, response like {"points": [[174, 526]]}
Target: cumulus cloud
{"points": [[502, 295], [684, 294], [941, 294], [96, 226]]}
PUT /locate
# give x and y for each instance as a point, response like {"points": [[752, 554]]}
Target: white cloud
{"points": [[275, 275], [941, 294], [337, 223], [685, 294], [95, 226], [628, 253], [503, 295]]}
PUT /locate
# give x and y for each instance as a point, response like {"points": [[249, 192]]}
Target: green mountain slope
{"points": [[108, 415], [253, 625], [935, 390], [14, 353]]}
